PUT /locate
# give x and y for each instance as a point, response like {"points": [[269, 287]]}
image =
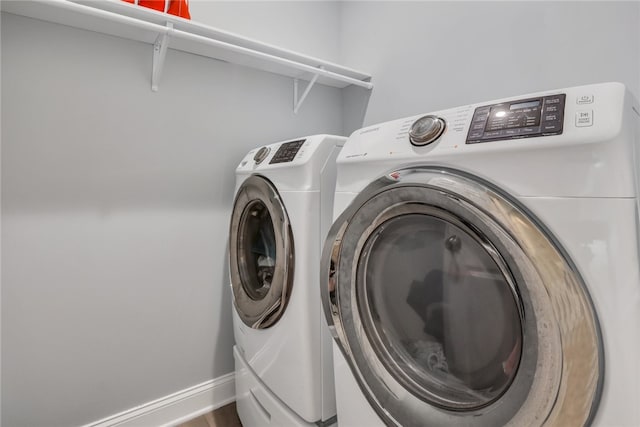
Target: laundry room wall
{"points": [[427, 56], [309, 27], [115, 208], [314, 27]]}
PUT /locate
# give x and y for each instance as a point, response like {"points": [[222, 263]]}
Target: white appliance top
{"points": [[292, 165], [574, 142]]}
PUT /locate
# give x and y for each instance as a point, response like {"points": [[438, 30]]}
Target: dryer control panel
{"points": [[518, 119], [287, 152]]}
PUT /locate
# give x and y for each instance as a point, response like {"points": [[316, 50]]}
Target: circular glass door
{"points": [[449, 326], [453, 305], [261, 253], [257, 245]]}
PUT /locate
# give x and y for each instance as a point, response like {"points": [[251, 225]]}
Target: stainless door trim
{"points": [[263, 312], [561, 391]]}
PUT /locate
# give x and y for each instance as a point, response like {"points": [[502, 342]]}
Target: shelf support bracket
{"points": [[159, 54], [297, 103]]}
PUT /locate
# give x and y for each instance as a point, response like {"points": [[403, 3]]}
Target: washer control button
{"points": [[261, 155], [549, 127], [475, 134], [584, 99], [551, 108], [584, 118]]}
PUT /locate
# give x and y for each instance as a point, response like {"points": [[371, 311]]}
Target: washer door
{"points": [[261, 253], [454, 306]]}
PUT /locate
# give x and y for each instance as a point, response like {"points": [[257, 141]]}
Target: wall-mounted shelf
{"points": [[162, 31]]}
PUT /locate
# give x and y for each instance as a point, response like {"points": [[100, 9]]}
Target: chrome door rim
{"points": [[559, 308], [260, 311]]}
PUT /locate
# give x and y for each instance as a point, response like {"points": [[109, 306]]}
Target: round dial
{"points": [[425, 130], [261, 155]]}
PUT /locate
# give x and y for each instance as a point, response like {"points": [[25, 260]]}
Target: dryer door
{"points": [[261, 253], [454, 306]]}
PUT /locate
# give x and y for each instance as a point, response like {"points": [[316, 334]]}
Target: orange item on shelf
{"points": [[179, 8], [173, 7]]}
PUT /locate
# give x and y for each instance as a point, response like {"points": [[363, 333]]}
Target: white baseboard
{"points": [[177, 407]]}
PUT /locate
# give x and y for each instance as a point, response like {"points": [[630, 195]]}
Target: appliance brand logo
{"points": [[369, 130], [356, 155]]}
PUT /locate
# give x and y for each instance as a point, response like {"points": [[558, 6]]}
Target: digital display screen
{"points": [[523, 118], [524, 105]]}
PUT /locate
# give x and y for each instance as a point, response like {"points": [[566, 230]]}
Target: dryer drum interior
{"points": [[261, 253], [453, 304]]}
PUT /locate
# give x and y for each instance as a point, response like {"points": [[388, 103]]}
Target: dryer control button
{"points": [[584, 118]]}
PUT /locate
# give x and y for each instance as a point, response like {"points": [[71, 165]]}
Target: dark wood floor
{"points": [[221, 417]]}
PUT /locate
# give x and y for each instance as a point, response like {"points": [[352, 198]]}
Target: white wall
{"points": [[426, 56], [115, 208], [308, 27]]}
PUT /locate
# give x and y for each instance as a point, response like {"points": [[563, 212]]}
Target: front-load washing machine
{"points": [[482, 268], [282, 211]]}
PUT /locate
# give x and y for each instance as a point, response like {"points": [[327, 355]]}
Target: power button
{"points": [[584, 99]]}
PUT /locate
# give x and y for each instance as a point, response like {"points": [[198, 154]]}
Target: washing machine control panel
{"points": [[540, 116], [287, 152]]}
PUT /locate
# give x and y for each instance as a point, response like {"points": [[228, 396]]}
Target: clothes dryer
{"points": [[483, 269], [281, 213]]}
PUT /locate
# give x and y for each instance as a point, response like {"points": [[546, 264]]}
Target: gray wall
{"points": [[309, 27], [426, 56], [115, 208]]}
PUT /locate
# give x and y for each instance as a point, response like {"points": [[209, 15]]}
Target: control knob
{"points": [[425, 130], [261, 155]]}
